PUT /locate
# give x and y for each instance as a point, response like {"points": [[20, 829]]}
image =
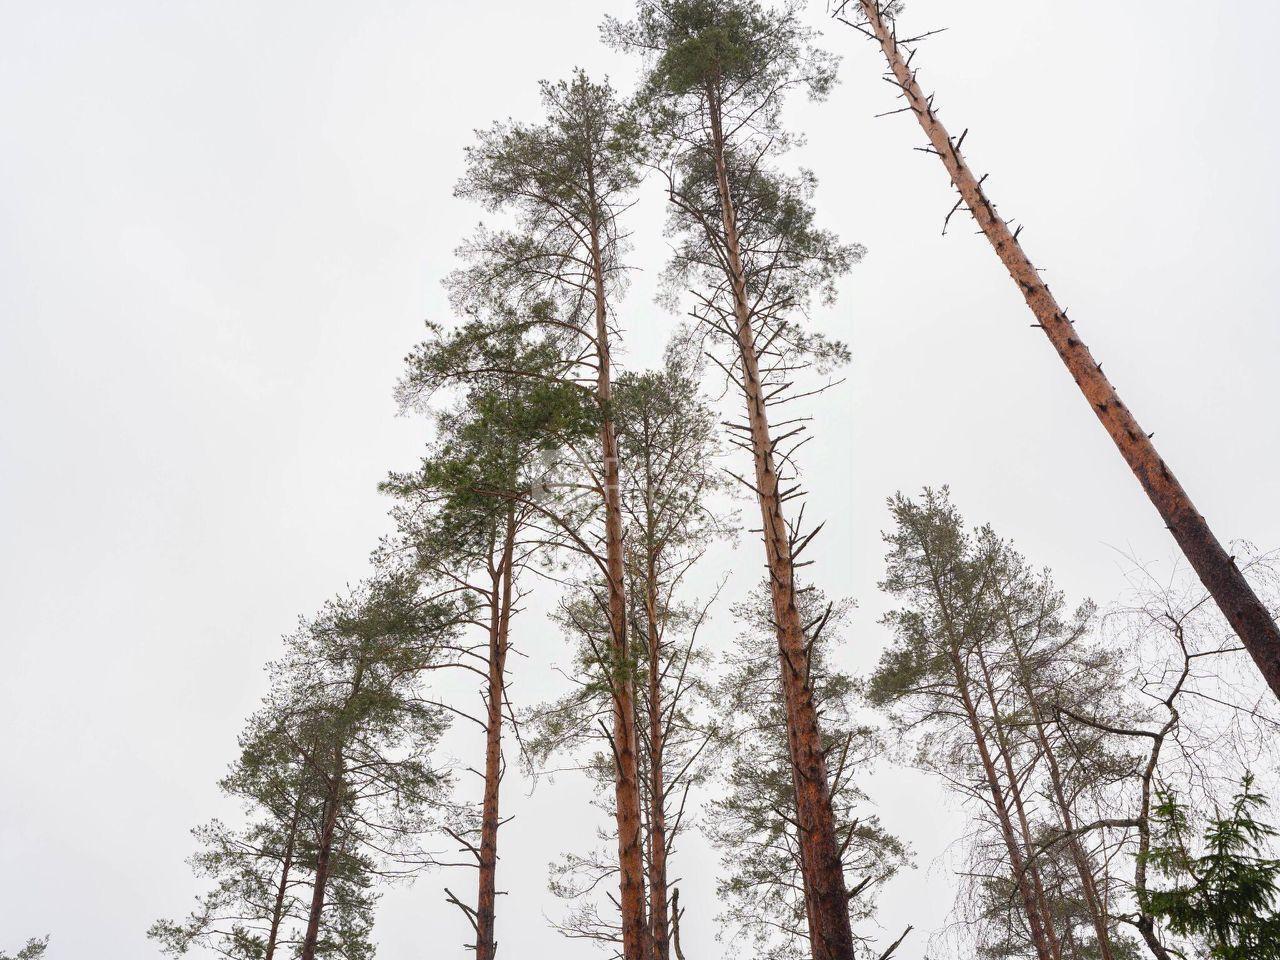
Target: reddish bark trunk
{"points": [[500, 623], [323, 853], [277, 912], [635, 939], [1216, 569], [826, 897], [658, 916]]}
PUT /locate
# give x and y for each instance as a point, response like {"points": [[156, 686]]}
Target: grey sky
{"points": [[221, 225]]}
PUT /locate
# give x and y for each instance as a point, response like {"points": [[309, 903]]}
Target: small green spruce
{"points": [[1225, 888]]}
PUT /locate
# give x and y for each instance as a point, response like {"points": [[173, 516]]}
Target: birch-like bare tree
{"points": [[1191, 722]]}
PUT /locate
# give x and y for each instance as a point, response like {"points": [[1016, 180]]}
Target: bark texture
{"points": [[826, 898], [324, 854], [635, 934], [277, 910], [499, 632], [1217, 570], [658, 916]]}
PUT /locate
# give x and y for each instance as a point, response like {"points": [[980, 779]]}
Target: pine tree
{"points": [[262, 870], [668, 450], [940, 677], [566, 182], [355, 711], [717, 75], [762, 890], [33, 949], [670, 481], [467, 521]]}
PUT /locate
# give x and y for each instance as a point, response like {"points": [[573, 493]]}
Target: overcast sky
{"points": [[222, 224]]}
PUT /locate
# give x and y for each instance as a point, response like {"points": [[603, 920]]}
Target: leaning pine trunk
{"points": [[826, 898], [1216, 569], [635, 940], [499, 630]]}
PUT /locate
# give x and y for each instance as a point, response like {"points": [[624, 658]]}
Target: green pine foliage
{"points": [[33, 949], [761, 893]]}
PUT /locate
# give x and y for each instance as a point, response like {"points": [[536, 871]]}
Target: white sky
{"points": [[221, 225]]}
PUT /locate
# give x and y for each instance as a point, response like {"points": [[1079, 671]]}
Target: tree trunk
{"points": [[1016, 863], [675, 923], [635, 944], [1020, 808], [1145, 921], [658, 918], [323, 854], [1146, 926], [1079, 856], [827, 900], [277, 911], [500, 623], [1216, 569]]}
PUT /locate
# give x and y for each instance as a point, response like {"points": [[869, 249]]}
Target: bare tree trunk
{"points": [[658, 917], [830, 932], [635, 940], [500, 623], [1216, 569], [277, 911], [1145, 921]]}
